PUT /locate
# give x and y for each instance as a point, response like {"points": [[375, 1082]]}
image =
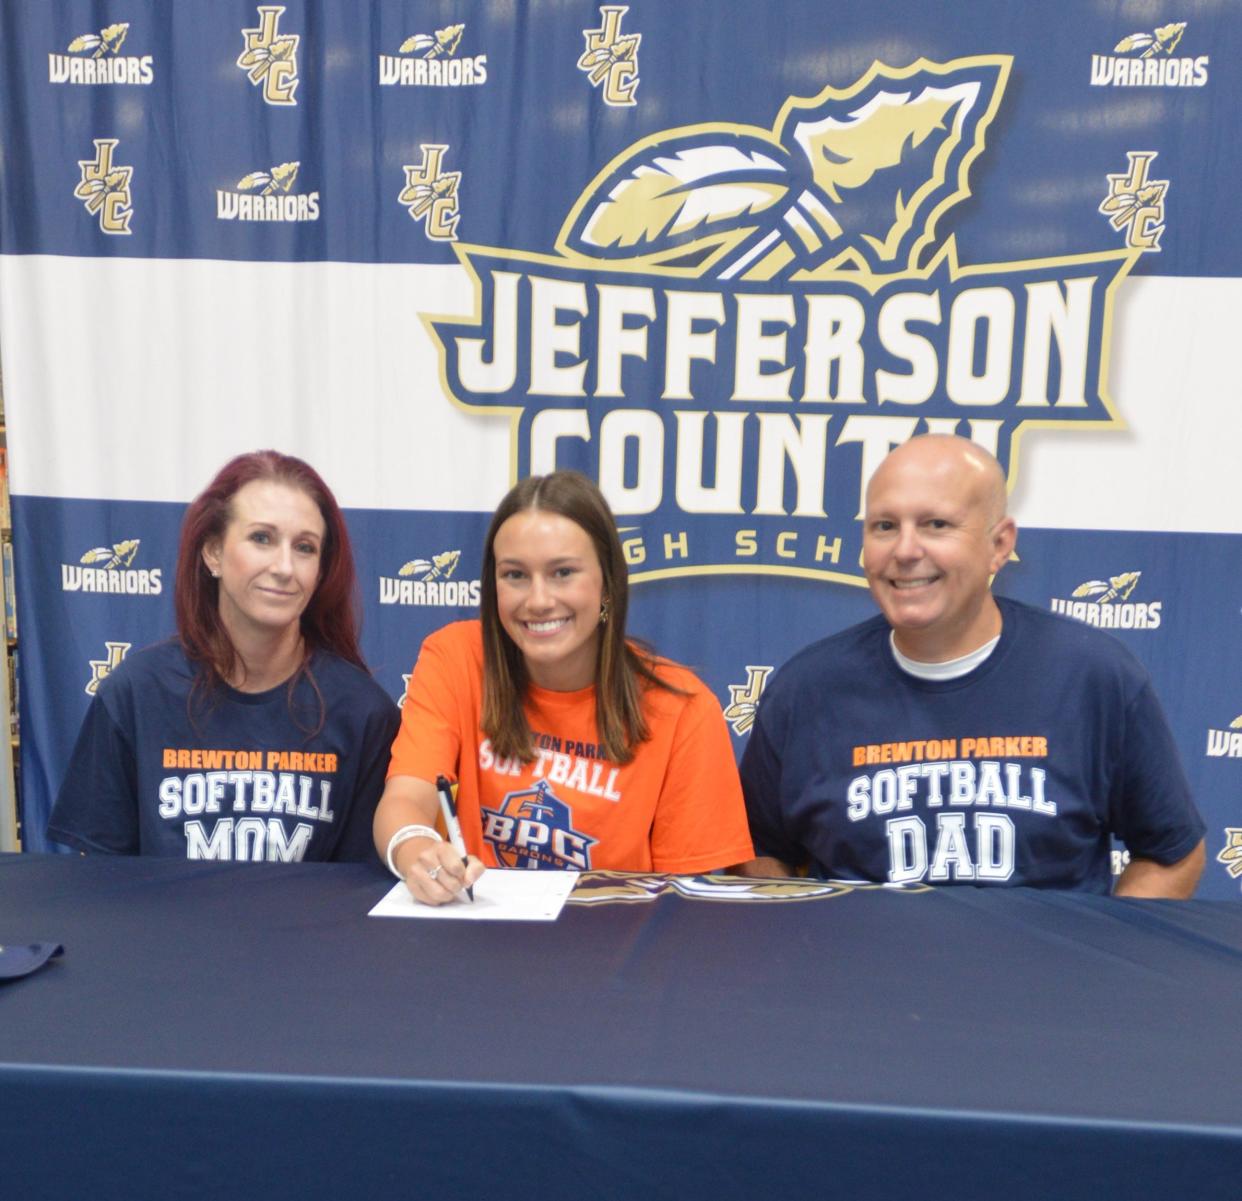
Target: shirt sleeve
{"points": [[700, 820], [357, 844], [762, 784], [429, 740], [1152, 810], [97, 806]]}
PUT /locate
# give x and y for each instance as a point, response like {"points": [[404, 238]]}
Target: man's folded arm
{"points": [[1174, 881]]}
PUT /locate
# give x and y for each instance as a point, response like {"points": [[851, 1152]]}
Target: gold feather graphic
{"points": [[687, 191]]}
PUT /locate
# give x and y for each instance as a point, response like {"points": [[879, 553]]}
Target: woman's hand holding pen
{"points": [[434, 872]]}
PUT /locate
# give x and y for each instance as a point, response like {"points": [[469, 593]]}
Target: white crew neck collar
{"points": [[950, 670]]}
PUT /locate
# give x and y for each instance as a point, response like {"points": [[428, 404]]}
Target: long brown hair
{"points": [[622, 670], [329, 621]]}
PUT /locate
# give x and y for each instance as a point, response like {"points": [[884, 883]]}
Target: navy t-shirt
{"points": [[1018, 773], [240, 777]]}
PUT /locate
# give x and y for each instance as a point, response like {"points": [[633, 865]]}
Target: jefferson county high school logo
{"points": [[744, 699], [110, 570], [1107, 604], [270, 58], [1135, 202], [95, 58], [430, 61], [739, 323], [1145, 60], [267, 196], [610, 59], [430, 195], [1230, 855], [1226, 744], [114, 656], [429, 582], [104, 188]]}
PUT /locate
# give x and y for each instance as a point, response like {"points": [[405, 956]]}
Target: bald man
{"points": [[961, 738]]}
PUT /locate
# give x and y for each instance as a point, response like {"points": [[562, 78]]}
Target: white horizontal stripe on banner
{"points": [[109, 360]]}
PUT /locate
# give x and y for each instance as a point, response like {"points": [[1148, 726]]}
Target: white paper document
{"points": [[499, 896]]}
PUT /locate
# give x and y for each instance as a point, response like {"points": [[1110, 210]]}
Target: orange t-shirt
{"points": [[675, 807]]}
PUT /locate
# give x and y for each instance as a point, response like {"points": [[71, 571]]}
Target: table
{"points": [[234, 1030]]}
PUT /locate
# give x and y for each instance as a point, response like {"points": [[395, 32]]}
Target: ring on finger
{"points": [[434, 872]]}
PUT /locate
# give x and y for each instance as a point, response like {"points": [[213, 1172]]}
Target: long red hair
{"points": [[329, 621]]}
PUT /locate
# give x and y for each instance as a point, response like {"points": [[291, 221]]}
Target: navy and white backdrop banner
{"points": [[720, 256]]}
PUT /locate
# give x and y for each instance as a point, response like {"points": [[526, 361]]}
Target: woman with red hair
{"points": [[257, 733]]}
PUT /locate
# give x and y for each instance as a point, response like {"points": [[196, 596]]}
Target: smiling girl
{"points": [[573, 747], [257, 733]]}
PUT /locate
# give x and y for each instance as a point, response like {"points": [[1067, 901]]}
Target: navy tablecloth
{"points": [[246, 1030]]}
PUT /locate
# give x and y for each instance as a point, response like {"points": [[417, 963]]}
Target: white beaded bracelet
{"points": [[404, 835]]}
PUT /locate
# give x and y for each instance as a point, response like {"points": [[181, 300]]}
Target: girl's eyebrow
{"points": [[563, 560]]}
